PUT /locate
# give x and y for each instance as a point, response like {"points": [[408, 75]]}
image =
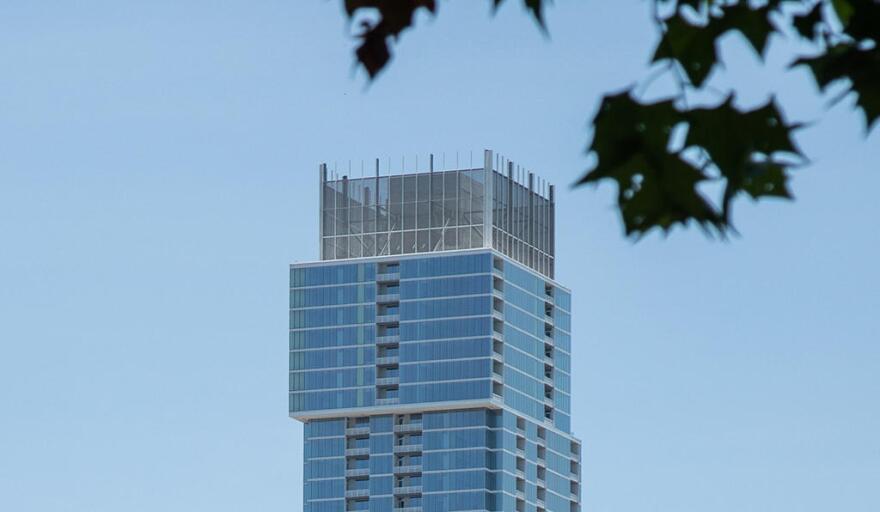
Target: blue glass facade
{"points": [[433, 383], [430, 349]]}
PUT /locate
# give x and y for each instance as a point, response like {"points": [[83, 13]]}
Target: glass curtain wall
{"points": [[413, 213]]}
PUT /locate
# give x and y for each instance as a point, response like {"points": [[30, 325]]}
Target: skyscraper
{"points": [[430, 346]]}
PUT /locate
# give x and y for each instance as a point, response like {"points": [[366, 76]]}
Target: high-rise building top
{"points": [[431, 364], [496, 206]]}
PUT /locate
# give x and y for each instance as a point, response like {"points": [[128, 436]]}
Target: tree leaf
{"points": [[860, 66], [863, 20], [752, 22], [740, 143], [806, 23], [844, 11], [766, 179], [656, 188], [694, 46], [535, 7], [394, 17]]}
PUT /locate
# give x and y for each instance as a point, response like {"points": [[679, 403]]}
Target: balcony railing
{"points": [[387, 381], [357, 472], [350, 452], [357, 493], [409, 489], [407, 509], [387, 319], [408, 427], [388, 276], [387, 401], [407, 448], [357, 431], [388, 297], [408, 470], [387, 360], [388, 339]]}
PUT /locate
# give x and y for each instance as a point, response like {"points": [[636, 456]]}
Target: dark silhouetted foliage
{"points": [[660, 152]]}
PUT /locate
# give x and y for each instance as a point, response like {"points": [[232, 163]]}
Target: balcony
{"points": [[407, 448], [388, 339], [387, 381], [354, 452], [408, 427], [409, 489], [388, 319], [358, 431], [387, 401], [357, 493], [388, 276], [387, 360], [408, 470], [387, 297], [357, 472], [407, 509]]}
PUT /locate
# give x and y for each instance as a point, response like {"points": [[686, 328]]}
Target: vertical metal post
{"points": [[552, 224], [487, 198], [509, 211], [530, 233], [322, 179]]}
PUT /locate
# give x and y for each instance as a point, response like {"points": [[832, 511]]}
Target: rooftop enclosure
{"points": [[498, 205]]}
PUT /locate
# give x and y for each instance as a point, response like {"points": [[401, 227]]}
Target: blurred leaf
{"points": [[806, 23], [394, 17], [843, 9], [860, 66], [656, 188], [863, 20], [694, 46], [739, 143], [745, 151], [752, 22], [766, 179], [536, 7]]}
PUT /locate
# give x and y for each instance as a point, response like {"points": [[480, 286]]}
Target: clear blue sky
{"points": [[158, 173]]}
